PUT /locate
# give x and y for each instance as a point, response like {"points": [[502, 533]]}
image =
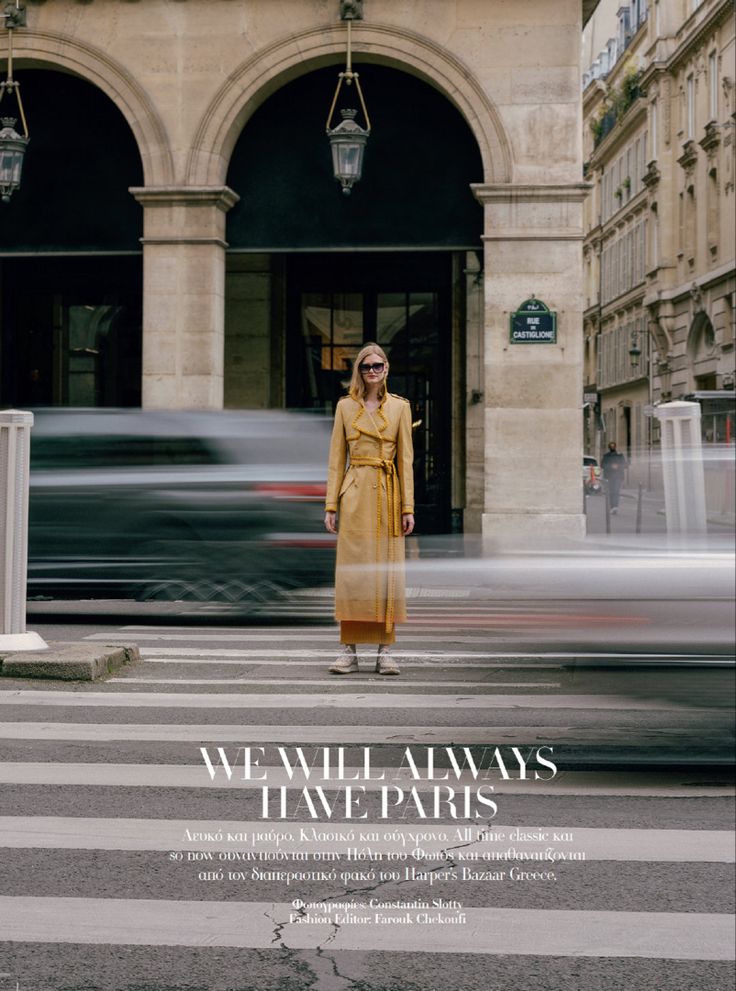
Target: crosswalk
{"points": [[283, 829]]}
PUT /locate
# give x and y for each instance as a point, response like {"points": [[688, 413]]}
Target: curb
{"points": [[69, 661]]}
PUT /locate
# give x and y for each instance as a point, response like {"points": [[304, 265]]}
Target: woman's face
{"points": [[369, 368]]}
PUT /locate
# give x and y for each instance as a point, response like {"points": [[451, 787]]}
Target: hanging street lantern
{"points": [[634, 351], [12, 150], [12, 144], [348, 139]]}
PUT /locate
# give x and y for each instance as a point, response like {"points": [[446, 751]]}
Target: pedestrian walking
{"points": [[614, 466], [370, 506]]}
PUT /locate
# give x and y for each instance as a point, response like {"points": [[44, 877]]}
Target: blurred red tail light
{"points": [[295, 492]]}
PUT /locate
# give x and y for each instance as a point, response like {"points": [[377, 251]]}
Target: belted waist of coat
{"points": [[393, 496]]}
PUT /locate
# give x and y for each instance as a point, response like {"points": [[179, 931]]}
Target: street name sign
{"points": [[533, 323]]}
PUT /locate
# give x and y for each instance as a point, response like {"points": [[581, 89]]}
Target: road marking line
{"points": [[345, 735], [439, 656], [165, 922], [647, 845], [279, 682], [442, 656], [197, 776], [203, 657], [308, 700]]}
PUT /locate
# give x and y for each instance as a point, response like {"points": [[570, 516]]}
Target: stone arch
{"points": [[35, 49], [285, 60], [701, 338]]}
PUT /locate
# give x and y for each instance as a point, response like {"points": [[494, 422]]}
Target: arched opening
{"points": [[701, 343], [313, 274], [415, 191], [70, 255]]}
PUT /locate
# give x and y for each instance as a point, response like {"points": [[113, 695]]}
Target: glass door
{"points": [[402, 303]]}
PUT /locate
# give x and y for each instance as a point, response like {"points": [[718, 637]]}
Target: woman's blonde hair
{"points": [[356, 388]]}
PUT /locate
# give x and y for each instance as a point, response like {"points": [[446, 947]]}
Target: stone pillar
{"points": [[183, 295], [533, 392], [682, 467]]}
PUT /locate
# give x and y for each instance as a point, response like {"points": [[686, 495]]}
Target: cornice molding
{"points": [[691, 42], [218, 196], [574, 192]]}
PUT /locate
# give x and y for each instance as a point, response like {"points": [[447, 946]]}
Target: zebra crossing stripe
{"points": [[534, 658], [645, 845], [248, 680], [197, 776], [263, 925], [309, 700], [417, 660], [334, 735]]}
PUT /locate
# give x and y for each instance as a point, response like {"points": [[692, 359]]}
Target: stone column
{"points": [[533, 392], [184, 295]]}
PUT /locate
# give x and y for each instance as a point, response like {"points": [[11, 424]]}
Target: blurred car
{"points": [[176, 505], [592, 475], [618, 596]]}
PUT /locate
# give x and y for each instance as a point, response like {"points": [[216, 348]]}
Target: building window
{"points": [[654, 258], [653, 130], [690, 108], [713, 86], [713, 212], [690, 222]]}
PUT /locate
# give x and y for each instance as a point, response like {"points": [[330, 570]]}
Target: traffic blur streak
{"points": [[625, 595], [175, 505]]}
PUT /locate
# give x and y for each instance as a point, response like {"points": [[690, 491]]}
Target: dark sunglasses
{"points": [[377, 366]]}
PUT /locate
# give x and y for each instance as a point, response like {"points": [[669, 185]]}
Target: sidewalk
{"points": [[653, 519], [653, 516]]}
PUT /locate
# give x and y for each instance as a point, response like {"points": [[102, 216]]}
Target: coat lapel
{"points": [[368, 423]]}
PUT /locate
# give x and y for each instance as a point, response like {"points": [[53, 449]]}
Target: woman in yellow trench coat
{"points": [[370, 506]]}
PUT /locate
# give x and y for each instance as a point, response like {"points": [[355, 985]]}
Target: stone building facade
{"points": [[178, 240], [660, 239]]}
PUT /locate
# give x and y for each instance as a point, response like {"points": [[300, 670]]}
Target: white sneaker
{"points": [[347, 661], [385, 664]]}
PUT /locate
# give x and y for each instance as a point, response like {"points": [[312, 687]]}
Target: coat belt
{"points": [[393, 496], [393, 504]]}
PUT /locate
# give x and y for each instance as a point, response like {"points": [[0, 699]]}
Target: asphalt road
{"points": [[129, 864]]}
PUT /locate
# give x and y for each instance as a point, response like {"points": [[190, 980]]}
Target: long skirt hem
{"points": [[362, 632]]}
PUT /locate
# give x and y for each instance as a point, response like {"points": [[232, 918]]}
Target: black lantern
{"points": [[634, 351], [348, 139], [347, 142], [12, 149], [12, 144]]}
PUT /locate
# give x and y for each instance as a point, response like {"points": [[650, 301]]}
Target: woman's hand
{"points": [[331, 522], [407, 523]]}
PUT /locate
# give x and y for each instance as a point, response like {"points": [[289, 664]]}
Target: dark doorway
{"points": [[336, 303], [70, 253], [71, 331]]}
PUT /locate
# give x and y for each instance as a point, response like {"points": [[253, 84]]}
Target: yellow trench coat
{"points": [[369, 498]]}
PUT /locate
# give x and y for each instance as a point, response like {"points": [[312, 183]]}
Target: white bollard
{"points": [[15, 456], [682, 467]]}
